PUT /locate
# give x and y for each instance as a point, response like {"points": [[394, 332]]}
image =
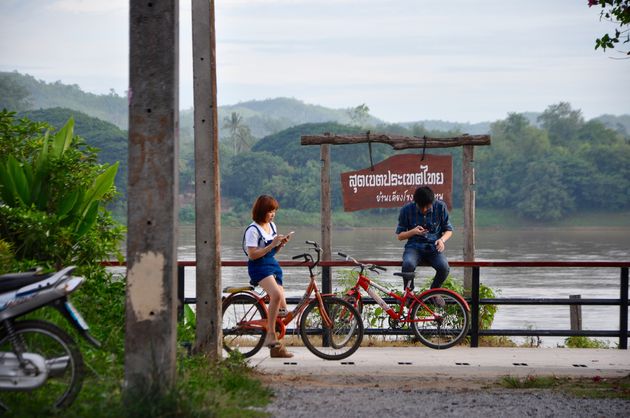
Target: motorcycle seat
{"points": [[13, 281]]}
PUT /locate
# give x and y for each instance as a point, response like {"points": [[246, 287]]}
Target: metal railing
{"points": [[476, 302]]}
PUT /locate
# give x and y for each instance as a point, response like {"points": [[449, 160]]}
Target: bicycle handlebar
{"points": [[307, 257], [371, 267]]}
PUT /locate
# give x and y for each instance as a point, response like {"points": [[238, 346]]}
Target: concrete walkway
{"points": [[457, 362]]}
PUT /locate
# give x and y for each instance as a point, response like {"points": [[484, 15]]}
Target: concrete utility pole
{"points": [[207, 191], [151, 331]]}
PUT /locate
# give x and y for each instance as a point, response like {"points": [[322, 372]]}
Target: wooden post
{"points": [[468, 185], [207, 192], [151, 301], [399, 142], [326, 218], [576, 314]]}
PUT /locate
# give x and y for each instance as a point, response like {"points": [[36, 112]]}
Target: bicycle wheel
{"points": [[448, 324], [38, 340], [336, 342], [237, 335]]}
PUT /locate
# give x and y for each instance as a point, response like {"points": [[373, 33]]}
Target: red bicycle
{"points": [[439, 317], [330, 327]]}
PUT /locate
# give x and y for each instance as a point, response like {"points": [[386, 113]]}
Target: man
{"points": [[424, 224]]}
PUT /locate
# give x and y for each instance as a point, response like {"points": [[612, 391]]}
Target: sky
{"points": [[407, 60]]}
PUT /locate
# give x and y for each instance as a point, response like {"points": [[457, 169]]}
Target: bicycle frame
{"points": [[364, 282], [281, 323]]}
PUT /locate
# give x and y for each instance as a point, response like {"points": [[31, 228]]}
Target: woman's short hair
{"points": [[263, 205]]}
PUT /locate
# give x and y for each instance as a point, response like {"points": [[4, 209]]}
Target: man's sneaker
{"points": [[439, 301], [282, 313]]}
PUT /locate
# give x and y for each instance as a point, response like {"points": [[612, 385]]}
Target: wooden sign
{"points": [[394, 180]]}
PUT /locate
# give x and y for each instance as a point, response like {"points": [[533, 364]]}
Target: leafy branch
{"points": [[618, 12]]}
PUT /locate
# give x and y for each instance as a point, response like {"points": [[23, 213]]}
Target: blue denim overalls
{"points": [[266, 265]]}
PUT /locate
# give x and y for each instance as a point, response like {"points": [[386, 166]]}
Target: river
{"points": [[544, 244]]}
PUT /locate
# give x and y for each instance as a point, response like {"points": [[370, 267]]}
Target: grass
{"points": [[202, 388], [595, 387], [227, 388], [585, 342]]}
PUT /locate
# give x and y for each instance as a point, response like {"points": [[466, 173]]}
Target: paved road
{"points": [[461, 362], [421, 382]]}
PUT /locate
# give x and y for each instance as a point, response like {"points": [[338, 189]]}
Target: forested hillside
{"points": [[540, 166], [541, 173], [106, 137], [262, 117], [30, 94]]}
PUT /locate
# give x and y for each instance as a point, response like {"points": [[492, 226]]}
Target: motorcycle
{"points": [[40, 364]]}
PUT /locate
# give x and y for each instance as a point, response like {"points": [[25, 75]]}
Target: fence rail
{"points": [[475, 301]]}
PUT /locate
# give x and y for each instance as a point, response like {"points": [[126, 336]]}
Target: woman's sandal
{"points": [[273, 344], [280, 351]]}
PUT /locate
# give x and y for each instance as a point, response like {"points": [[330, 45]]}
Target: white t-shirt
{"points": [[252, 235]]}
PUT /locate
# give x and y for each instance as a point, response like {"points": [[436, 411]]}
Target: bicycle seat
{"points": [[234, 289], [405, 274]]}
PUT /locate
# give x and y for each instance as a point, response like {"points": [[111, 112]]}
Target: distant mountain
{"points": [[446, 126], [478, 128], [267, 117], [618, 123], [263, 117], [108, 107]]}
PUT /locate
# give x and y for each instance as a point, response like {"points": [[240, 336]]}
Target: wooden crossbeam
{"points": [[396, 141]]}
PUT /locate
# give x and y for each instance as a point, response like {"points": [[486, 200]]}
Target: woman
{"points": [[261, 243]]}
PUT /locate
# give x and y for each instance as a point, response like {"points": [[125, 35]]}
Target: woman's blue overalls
{"points": [[266, 265]]}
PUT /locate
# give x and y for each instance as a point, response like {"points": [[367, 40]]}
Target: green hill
{"points": [[263, 117], [106, 137], [108, 107]]}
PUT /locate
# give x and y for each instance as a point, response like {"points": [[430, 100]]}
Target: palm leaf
{"points": [[67, 202], [88, 220], [18, 179], [7, 188], [102, 184], [63, 139]]}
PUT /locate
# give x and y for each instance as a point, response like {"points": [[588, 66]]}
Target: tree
{"points": [[359, 115], [13, 94], [248, 175], [52, 196], [503, 166], [618, 12], [562, 123], [240, 134], [544, 200]]}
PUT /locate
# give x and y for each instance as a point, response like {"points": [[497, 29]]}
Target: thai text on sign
{"points": [[393, 181]]}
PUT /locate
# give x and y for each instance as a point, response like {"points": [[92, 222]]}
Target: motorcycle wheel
{"points": [[63, 361]]}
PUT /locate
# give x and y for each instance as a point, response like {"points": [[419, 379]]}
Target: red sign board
{"points": [[394, 180]]}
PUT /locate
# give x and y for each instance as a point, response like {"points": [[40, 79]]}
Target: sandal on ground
{"points": [[280, 352]]}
